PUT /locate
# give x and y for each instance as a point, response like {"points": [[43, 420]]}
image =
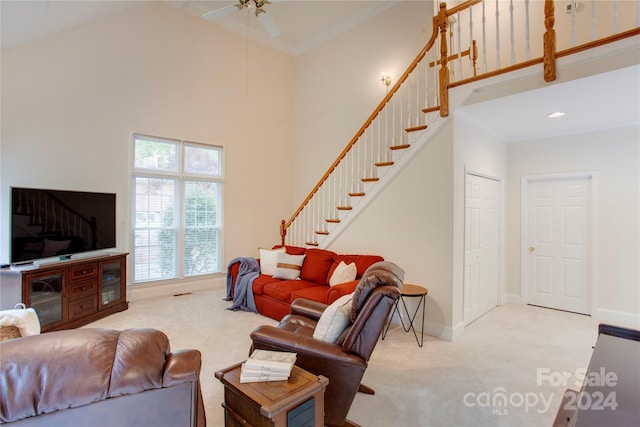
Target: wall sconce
{"points": [[386, 80]]}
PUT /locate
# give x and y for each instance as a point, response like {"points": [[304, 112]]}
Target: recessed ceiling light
{"points": [[556, 114]]}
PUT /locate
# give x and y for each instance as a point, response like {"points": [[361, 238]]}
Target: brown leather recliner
{"points": [[99, 377], [344, 362]]}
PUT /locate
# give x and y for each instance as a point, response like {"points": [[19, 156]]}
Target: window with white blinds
{"points": [[177, 208]]}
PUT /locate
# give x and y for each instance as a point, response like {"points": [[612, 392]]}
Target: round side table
{"points": [[410, 291]]}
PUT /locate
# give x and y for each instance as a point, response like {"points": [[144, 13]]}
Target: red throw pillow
{"points": [[316, 265], [292, 250]]}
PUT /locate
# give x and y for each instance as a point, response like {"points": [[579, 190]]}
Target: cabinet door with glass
{"points": [[44, 292], [112, 274]]}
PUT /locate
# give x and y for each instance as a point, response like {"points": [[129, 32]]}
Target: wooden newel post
{"points": [[549, 41], [283, 231], [443, 22]]}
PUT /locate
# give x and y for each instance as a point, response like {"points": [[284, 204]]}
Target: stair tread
{"points": [[400, 147], [384, 164], [311, 243], [333, 220], [416, 128], [323, 233], [431, 109], [344, 208], [360, 194], [370, 179]]}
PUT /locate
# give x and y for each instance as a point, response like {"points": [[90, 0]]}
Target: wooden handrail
{"points": [[462, 6], [392, 91]]}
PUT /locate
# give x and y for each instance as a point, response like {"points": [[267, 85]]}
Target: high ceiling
{"points": [[304, 24]]}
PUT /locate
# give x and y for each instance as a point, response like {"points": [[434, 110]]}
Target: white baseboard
{"points": [[617, 318], [511, 299], [448, 333], [140, 292]]}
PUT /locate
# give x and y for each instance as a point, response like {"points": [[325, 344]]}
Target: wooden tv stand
{"points": [[69, 293]]}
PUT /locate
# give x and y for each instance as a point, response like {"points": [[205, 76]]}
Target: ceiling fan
{"points": [[252, 5]]}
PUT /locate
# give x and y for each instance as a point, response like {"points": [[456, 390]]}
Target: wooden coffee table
{"points": [[296, 402]]}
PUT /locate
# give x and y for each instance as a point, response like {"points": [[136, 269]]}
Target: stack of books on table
{"points": [[265, 365]]}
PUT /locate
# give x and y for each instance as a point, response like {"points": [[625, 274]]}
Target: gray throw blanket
{"points": [[248, 270]]}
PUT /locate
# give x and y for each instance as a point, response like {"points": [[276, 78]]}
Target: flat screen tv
{"points": [[58, 223]]}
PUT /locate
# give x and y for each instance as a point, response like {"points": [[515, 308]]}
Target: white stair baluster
{"points": [[325, 206], [614, 18], [377, 142], [458, 27], [497, 36], [593, 20], [407, 91], [417, 98], [471, 42], [573, 22], [399, 94], [393, 120], [511, 21], [425, 67], [484, 40], [354, 167], [527, 32]]}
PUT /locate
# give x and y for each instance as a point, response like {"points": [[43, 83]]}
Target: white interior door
{"points": [[481, 247], [557, 271]]}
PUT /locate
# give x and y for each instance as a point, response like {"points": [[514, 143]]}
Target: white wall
{"points": [[71, 101], [614, 155], [411, 223]]}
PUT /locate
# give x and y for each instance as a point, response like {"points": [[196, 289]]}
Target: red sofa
{"points": [[274, 296]]}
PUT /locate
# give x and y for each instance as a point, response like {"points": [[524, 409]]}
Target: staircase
{"points": [[489, 36]]}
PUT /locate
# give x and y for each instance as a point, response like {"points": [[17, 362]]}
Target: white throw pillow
{"points": [[334, 320], [288, 266], [269, 260], [343, 273]]}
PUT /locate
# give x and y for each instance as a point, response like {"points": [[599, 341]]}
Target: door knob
{"points": [[531, 249]]}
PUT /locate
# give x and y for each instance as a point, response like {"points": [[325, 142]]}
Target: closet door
{"points": [[481, 265]]}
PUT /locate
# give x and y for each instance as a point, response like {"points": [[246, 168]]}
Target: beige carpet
{"points": [[500, 372]]}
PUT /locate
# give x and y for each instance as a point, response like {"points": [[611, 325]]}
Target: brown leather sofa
{"points": [[345, 361], [99, 377]]}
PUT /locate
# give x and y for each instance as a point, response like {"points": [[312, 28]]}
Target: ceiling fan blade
{"points": [[219, 13], [269, 25]]}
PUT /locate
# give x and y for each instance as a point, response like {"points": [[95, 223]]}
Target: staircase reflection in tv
{"points": [[57, 223]]}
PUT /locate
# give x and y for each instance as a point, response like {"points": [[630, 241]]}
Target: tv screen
{"points": [[53, 223]]}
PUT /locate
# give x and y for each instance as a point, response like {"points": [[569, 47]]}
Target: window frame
{"points": [[181, 178]]}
